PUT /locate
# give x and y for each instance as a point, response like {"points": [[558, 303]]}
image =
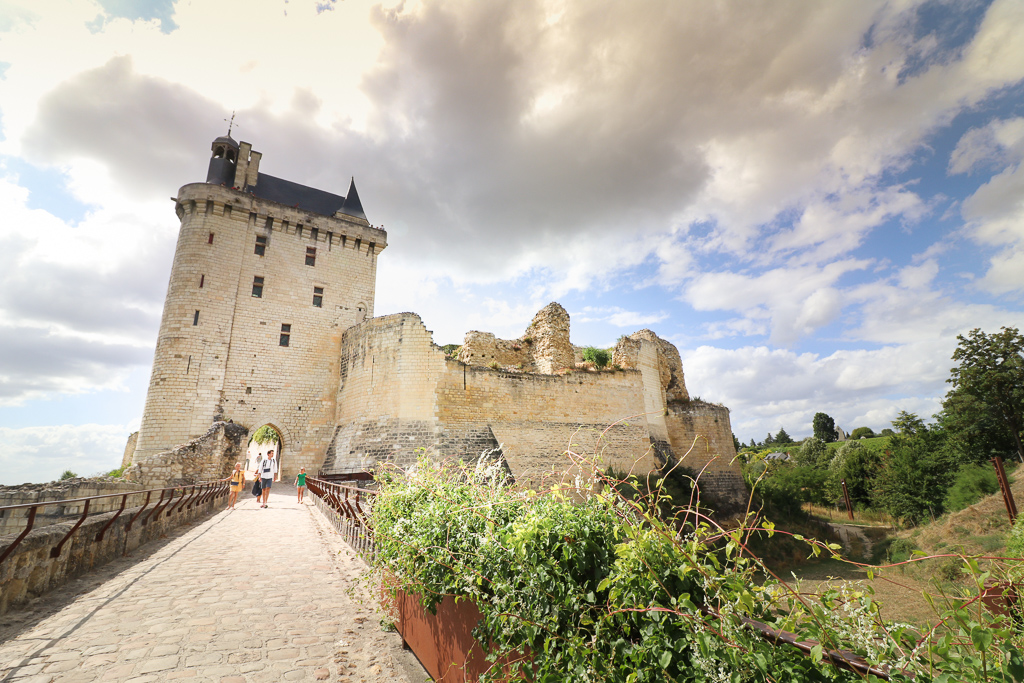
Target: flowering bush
{"points": [[599, 588]]}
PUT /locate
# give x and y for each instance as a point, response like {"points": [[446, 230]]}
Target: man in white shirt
{"points": [[267, 469]]}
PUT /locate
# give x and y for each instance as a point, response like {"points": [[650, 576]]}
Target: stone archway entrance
{"points": [[256, 452]]}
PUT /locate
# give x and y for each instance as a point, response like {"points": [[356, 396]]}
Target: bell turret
{"points": [[222, 163]]}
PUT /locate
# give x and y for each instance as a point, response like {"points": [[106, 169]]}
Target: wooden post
{"points": [[846, 499], [1004, 485]]}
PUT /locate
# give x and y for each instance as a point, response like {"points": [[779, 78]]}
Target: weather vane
{"points": [[231, 122]]}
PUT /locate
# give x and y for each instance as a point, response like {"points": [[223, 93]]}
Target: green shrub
{"points": [[119, 472], [599, 357], [68, 474], [900, 550], [972, 483], [1015, 539], [598, 588]]}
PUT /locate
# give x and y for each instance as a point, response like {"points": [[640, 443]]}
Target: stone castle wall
{"points": [[701, 437], [399, 395], [228, 363]]}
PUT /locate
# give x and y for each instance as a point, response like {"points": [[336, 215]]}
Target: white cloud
{"points": [[35, 454], [998, 143], [995, 219]]}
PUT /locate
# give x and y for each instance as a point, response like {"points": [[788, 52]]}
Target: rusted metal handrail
{"points": [[208, 489], [110, 522], [348, 508]]}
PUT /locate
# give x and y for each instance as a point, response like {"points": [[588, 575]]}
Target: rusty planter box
{"points": [[443, 642]]}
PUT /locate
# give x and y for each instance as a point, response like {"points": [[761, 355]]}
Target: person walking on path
{"points": [[300, 483], [237, 480], [268, 468]]}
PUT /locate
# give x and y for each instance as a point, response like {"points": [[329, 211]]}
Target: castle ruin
{"points": [[269, 320]]}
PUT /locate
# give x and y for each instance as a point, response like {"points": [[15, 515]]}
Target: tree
{"points": [[824, 428], [861, 433], [769, 440], [68, 474], [908, 424], [783, 437], [916, 473], [266, 434], [736, 443], [991, 371], [814, 453]]}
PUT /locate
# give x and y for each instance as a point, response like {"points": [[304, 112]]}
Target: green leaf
{"points": [[665, 659], [816, 653], [981, 637]]}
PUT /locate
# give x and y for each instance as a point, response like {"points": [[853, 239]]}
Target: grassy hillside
{"points": [[875, 443]]}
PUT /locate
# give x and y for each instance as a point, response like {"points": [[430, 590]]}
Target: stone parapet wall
{"points": [[208, 458], [14, 521], [30, 572]]}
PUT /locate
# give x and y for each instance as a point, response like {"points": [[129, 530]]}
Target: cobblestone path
{"points": [[247, 595]]}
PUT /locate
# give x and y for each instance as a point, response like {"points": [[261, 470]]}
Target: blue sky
{"points": [[810, 200]]}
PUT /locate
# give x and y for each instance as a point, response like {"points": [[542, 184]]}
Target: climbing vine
{"points": [[597, 587]]}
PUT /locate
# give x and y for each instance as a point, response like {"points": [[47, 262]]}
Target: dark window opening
{"points": [[210, 241], [318, 297], [261, 245], [248, 390], [298, 230], [314, 233], [257, 287], [286, 331], [359, 243], [310, 256], [218, 153], [195, 319], [231, 156], [269, 225], [202, 279]]}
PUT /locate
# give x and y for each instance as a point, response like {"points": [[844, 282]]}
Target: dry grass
{"points": [[900, 595], [977, 530], [866, 517]]}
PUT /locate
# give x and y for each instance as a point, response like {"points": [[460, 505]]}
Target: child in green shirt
{"points": [[300, 483]]}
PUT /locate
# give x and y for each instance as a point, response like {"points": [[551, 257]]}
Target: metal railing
{"points": [[167, 504], [348, 508]]}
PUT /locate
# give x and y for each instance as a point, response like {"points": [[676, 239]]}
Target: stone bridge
{"points": [[248, 594]]}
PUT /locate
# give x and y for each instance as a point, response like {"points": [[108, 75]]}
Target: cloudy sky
{"points": [[811, 200]]}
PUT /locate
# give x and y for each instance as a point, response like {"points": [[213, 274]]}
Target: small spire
{"points": [[231, 122], [352, 205]]}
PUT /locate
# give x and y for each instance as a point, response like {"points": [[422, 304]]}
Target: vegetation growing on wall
{"points": [[596, 586]]}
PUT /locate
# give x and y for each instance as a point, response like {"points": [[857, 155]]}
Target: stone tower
{"points": [[267, 275]]}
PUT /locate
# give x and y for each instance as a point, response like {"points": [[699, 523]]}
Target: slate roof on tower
{"points": [[307, 198]]}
